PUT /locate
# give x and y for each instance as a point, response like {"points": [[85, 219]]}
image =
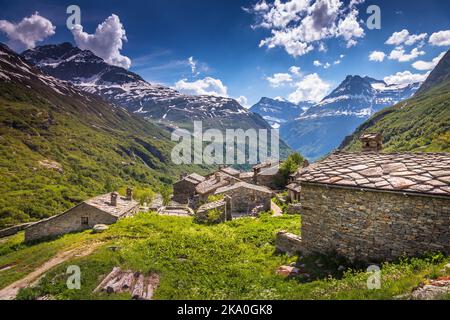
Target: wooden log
{"points": [[127, 281], [112, 275], [138, 289], [115, 286], [152, 284]]}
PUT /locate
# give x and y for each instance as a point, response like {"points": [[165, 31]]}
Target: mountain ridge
{"points": [[151, 101], [421, 123]]}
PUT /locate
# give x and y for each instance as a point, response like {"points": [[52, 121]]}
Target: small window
{"points": [[84, 221]]}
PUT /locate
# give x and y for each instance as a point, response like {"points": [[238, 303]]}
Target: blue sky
{"points": [[223, 41]]}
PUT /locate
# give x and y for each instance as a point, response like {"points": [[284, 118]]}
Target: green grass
{"points": [[233, 260], [99, 151]]}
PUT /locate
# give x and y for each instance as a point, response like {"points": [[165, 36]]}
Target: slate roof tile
{"points": [[427, 173]]}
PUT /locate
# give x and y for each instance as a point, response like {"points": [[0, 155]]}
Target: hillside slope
{"points": [[421, 123], [60, 145]]}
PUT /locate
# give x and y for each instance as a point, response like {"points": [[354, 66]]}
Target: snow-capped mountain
{"points": [[322, 127], [151, 101], [278, 111]]}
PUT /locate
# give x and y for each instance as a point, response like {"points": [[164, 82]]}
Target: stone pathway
{"points": [[277, 212], [11, 291]]}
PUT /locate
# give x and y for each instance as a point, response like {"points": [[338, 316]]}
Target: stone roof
{"points": [[295, 186], [194, 178], [230, 171], [243, 185], [244, 175], [211, 184], [211, 206], [427, 173], [103, 203], [271, 171]]}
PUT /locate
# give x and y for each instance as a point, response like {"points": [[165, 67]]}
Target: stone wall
{"points": [[182, 191], [244, 200], [70, 221], [15, 229], [372, 225]]}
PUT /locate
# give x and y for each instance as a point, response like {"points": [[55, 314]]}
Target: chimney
{"points": [[114, 196], [218, 176], [371, 142], [129, 193]]}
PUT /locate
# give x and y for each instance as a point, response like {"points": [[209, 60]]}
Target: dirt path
{"points": [[275, 209], [11, 291]]}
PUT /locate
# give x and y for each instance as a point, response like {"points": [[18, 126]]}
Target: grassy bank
{"points": [[235, 260]]}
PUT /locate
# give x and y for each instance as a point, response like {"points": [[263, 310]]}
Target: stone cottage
{"points": [[246, 198], [265, 174], [376, 206], [209, 186], [184, 189], [104, 209]]}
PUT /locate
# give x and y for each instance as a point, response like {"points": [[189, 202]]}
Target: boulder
{"points": [[99, 228], [287, 271], [288, 243]]}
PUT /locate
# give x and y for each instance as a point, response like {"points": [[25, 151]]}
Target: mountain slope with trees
{"points": [[60, 145], [421, 123]]}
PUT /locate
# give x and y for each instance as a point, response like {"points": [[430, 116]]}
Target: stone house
{"points": [[209, 186], [294, 190], [376, 206], [104, 209], [184, 189], [246, 198], [265, 174]]}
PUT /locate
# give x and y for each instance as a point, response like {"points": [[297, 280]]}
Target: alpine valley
{"points": [[317, 129]]}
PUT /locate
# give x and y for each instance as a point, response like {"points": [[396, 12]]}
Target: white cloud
{"points": [[400, 55], [299, 26], [193, 65], [326, 65], [106, 42], [28, 31], [405, 38], [243, 101], [441, 38], [428, 65], [317, 63], [406, 77], [279, 79], [206, 86], [310, 88], [294, 70], [377, 56]]}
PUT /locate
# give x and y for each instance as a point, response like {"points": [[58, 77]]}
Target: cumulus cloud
{"points": [[400, 55], [279, 79], [317, 63], [377, 56], [441, 38], [310, 88], [428, 65], [243, 101], [295, 70], [28, 31], [300, 26], [106, 42], [406, 77], [405, 38], [206, 86]]}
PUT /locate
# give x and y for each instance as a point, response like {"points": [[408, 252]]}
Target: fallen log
{"points": [[153, 282], [112, 275], [138, 290]]}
